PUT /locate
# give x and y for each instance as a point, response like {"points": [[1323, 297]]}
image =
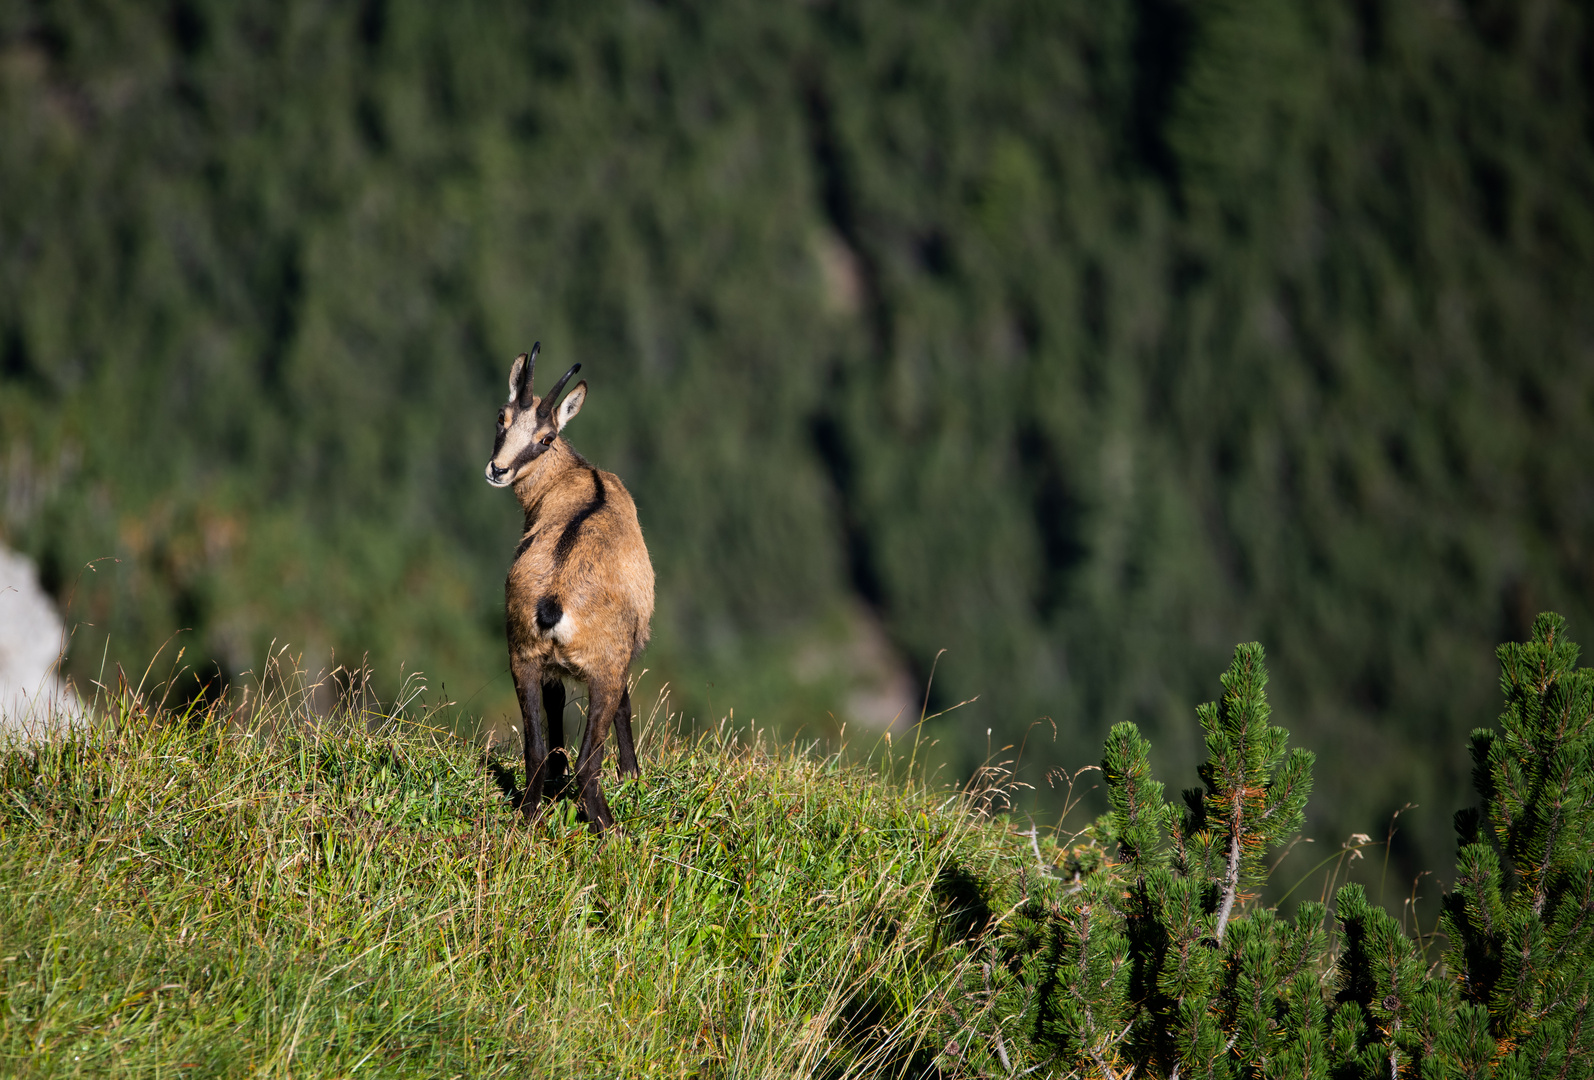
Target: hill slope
{"points": [[179, 895]]}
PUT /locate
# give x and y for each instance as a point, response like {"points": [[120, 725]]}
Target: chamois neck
{"points": [[545, 472]]}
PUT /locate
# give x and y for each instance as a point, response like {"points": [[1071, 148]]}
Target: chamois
{"points": [[579, 596]]}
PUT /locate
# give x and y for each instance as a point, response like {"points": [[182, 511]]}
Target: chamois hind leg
{"points": [[555, 776], [622, 735], [603, 701], [528, 681]]}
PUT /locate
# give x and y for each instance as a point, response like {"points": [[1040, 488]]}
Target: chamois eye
{"points": [[547, 440]]}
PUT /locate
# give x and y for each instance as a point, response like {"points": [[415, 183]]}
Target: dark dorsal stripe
{"points": [[567, 539], [548, 612]]}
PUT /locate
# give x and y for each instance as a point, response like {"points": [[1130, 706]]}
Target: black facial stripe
{"points": [[567, 539], [526, 456], [548, 612]]}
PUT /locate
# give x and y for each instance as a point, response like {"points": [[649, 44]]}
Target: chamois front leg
{"points": [[603, 701], [528, 681], [556, 774]]}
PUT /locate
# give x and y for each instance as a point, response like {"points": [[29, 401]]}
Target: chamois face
{"points": [[528, 425]]}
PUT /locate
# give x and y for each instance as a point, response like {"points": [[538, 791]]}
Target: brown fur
{"points": [[579, 595]]}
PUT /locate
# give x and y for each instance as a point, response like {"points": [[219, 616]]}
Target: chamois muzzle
{"points": [[497, 477]]}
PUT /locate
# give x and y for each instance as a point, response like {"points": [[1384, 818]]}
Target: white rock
{"points": [[33, 699]]}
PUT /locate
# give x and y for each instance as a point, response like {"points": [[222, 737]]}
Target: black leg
{"points": [[528, 680], [603, 700], [622, 735], [553, 705]]}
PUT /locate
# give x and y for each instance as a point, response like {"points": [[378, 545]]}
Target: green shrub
{"points": [[1162, 968]]}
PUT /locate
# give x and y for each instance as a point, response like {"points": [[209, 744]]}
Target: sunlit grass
{"points": [[281, 890]]}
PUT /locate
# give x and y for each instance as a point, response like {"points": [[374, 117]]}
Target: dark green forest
{"points": [[1078, 339]]}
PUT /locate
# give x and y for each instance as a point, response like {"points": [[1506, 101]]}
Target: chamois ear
{"points": [[514, 377], [521, 375], [572, 403]]}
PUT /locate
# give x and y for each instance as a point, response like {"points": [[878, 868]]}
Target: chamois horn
{"points": [[523, 391], [552, 396]]}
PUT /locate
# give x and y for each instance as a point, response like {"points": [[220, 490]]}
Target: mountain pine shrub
{"points": [[1164, 966], [1521, 918]]}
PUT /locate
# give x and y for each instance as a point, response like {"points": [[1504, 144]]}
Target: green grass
{"points": [[275, 892]]}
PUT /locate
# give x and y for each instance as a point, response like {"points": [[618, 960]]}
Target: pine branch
{"points": [[1231, 881]]}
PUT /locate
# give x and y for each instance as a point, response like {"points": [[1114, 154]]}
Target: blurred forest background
{"points": [[1080, 339]]}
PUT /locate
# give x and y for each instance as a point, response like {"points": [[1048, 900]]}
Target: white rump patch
{"points": [[563, 630]]}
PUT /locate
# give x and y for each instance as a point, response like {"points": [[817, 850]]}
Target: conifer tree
{"points": [[1203, 1002], [1391, 1011], [1083, 1004], [1521, 918], [1165, 971], [1255, 796]]}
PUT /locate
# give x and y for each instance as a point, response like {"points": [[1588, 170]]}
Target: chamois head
{"points": [[527, 424]]}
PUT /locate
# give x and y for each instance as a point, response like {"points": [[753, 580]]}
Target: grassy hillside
{"points": [[186, 894], [298, 883]]}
